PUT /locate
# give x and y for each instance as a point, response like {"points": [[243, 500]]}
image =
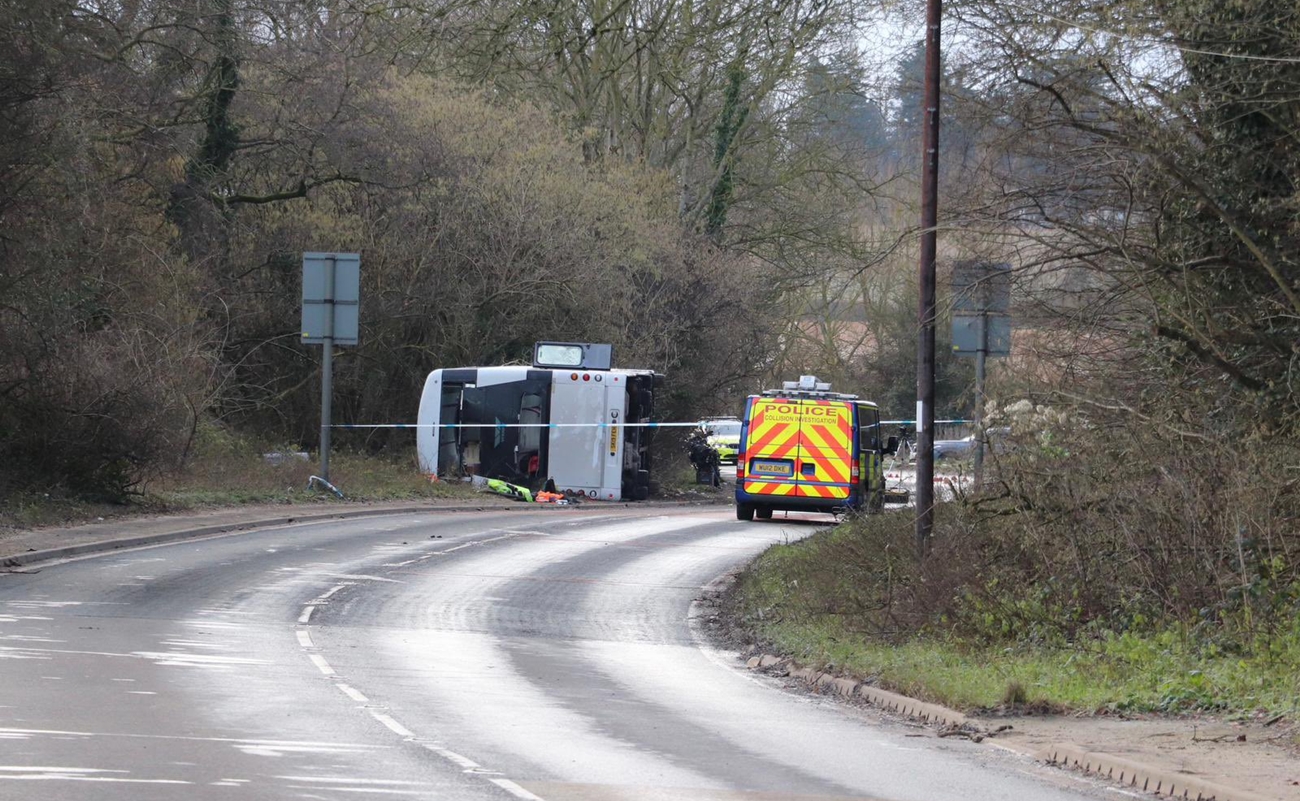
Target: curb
{"points": [[849, 688], [164, 537], [1128, 773]]}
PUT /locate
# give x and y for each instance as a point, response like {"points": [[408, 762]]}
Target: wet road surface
{"points": [[482, 655]]}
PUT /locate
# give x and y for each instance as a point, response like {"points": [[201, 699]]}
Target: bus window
{"points": [[503, 449], [448, 436]]}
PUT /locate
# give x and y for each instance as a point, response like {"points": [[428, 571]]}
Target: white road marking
{"points": [[515, 790], [287, 745], [366, 790], [197, 660], [393, 725], [465, 763], [211, 624], [348, 780], [462, 546], [360, 577], [451, 756], [352, 693], [44, 773], [273, 750]]}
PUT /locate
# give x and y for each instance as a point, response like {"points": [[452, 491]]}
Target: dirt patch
{"points": [[1252, 754]]}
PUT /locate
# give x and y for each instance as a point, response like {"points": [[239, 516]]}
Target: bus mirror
{"points": [[891, 446]]}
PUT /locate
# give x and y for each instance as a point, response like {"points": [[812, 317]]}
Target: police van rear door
{"points": [[825, 461], [772, 447]]}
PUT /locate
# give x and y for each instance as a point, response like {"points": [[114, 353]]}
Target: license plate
{"points": [[764, 467]]}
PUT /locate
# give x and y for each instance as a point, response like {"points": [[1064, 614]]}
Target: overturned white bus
{"points": [[570, 418]]}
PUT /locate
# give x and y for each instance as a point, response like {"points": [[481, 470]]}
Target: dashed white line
{"points": [[463, 762], [515, 790], [446, 551], [352, 693], [451, 756], [393, 725]]}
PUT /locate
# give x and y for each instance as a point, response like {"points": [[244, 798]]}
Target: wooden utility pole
{"points": [[927, 305]]}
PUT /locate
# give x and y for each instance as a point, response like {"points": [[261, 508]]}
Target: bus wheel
{"points": [[762, 514], [744, 511]]}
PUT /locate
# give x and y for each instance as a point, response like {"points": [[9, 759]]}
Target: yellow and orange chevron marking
{"points": [[808, 432], [827, 443], [769, 487]]}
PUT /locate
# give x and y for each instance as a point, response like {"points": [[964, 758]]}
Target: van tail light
{"points": [[854, 472]]}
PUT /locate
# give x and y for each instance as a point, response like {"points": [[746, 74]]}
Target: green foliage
{"points": [[725, 137]]}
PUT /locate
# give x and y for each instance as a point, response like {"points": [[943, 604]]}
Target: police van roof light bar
{"points": [[807, 387]]}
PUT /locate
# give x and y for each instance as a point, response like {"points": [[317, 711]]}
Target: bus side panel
{"points": [[426, 433], [577, 453]]}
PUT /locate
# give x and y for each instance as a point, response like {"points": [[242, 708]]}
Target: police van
{"points": [[805, 448]]}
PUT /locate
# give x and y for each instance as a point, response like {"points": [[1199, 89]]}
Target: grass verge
{"points": [[835, 601], [238, 474]]}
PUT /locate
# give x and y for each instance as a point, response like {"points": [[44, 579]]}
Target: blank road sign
{"points": [[331, 297], [981, 286], [966, 334]]}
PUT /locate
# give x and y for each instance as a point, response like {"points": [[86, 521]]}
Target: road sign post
{"points": [[981, 325], [331, 310]]}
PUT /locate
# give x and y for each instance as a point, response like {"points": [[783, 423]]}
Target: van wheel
{"points": [[744, 511], [762, 513]]}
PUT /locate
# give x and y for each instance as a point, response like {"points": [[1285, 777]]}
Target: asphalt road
{"points": [[437, 656]]}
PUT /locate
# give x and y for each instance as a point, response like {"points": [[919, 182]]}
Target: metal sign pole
{"points": [[331, 313], [327, 372]]}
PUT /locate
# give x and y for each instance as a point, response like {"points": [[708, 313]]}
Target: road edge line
{"points": [[95, 547]]}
